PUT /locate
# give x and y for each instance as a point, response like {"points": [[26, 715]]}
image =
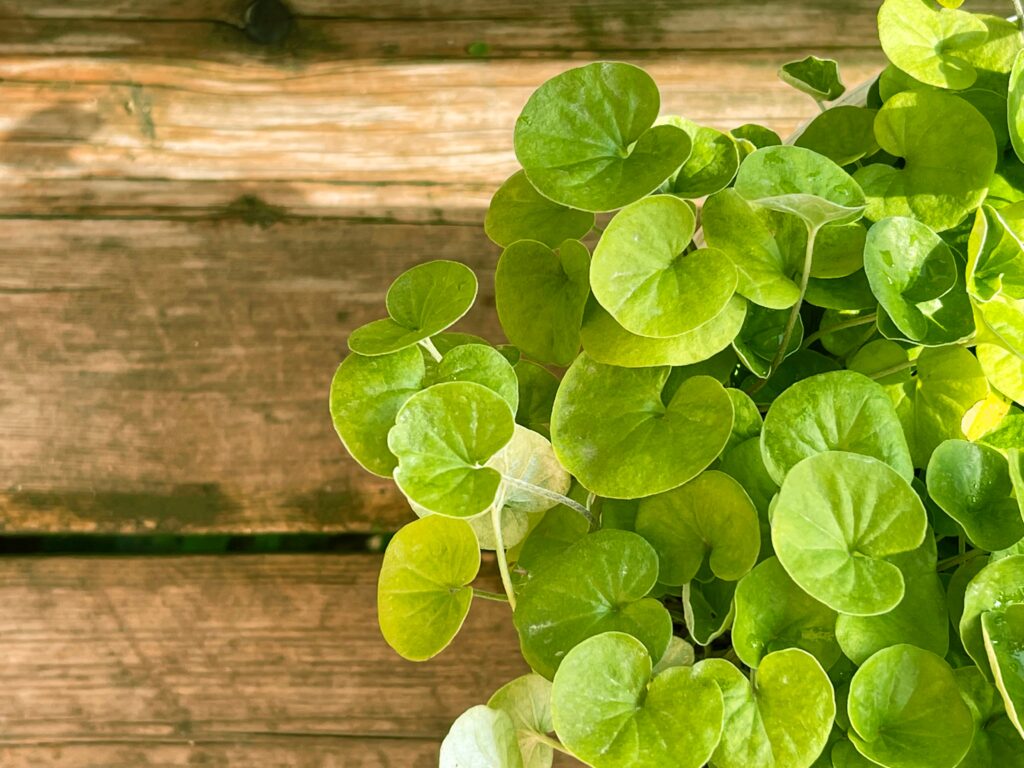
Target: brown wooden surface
{"points": [[269, 661]]}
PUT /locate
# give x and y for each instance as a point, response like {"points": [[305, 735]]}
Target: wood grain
{"points": [[191, 223], [226, 661]]}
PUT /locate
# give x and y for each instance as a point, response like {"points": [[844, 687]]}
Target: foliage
{"points": [[755, 488]]}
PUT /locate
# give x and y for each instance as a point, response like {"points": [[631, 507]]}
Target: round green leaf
{"points": [[366, 395], [997, 585], [442, 437], [950, 154], [1003, 632], [929, 42], [747, 421], [599, 584], [642, 276], [745, 463], [610, 712], [932, 405], [920, 618], [838, 251], [801, 182], [995, 265], [842, 293], [712, 164], [617, 431], [711, 517], [757, 135], [520, 212], [773, 613], [780, 719], [837, 518], [844, 134], [481, 364], [835, 411], [818, 78], [527, 701], [608, 342], [421, 302], [481, 738], [678, 654], [917, 281], [760, 243], [1003, 369], [558, 530], [585, 139], [422, 593], [540, 296], [971, 482], [906, 710], [996, 742]]}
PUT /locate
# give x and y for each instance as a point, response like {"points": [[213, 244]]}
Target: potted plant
{"points": [[772, 514]]}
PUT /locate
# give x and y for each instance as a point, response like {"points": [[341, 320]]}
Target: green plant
{"points": [[773, 513]]}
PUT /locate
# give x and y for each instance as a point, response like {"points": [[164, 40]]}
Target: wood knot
{"points": [[268, 22]]}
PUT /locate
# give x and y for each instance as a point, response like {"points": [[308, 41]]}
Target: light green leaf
{"points": [[906, 710], [780, 719], [950, 154], [838, 251], [997, 585], [520, 212], [750, 236], [442, 437], [1003, 632], [931, 406], [818, 78], [835, 411], [618, 433], [599, 584], [527, 701], [918, 282], [585, 139], [884, 361], [929, 43], [842, 293], [745, 463], [757, 135], [920, 618], [481, 738], [423, 594], [421, 302], [481, 364], [747, 420], [366, 395], [560, 528], [971, 482], [610, 712], [712, 164], [708, 609], [540, 296], [608, 342], [1015, 106], [844, 134], [773, 613], [711, 517], [1003, 369], [679, 654], [642, 277], [801, 182], [838, 517], [995, 265]]}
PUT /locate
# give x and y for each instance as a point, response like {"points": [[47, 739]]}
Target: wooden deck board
{"points": [[191, 223], [226, 661]]}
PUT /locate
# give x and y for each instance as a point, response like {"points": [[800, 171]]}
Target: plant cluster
{"points": [[772, 514]]}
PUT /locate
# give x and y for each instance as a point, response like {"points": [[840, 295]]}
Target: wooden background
{"points": [[191, 222]]}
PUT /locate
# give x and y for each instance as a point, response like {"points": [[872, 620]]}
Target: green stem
{"points": [[853, 322], [484, 594], [891, 370], [428, 345], [550, 495], [555, 744], [787, 334], [499, 548], [963, 557]]}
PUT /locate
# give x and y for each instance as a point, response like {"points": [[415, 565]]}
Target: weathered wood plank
{"points": [[220, 661], [173, 376]]}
